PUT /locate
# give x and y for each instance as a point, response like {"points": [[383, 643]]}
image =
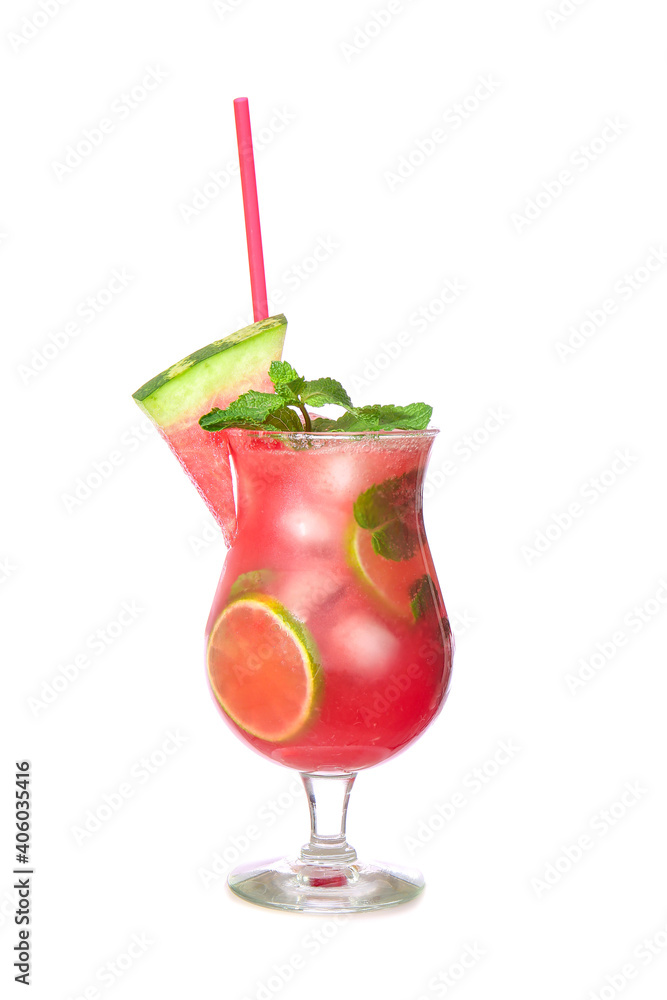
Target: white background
{"points": [[355, 96]]}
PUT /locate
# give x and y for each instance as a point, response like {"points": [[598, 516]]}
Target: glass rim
{"points": [[303, 435]]}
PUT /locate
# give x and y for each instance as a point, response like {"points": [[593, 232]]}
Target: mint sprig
{"points": [[287, 408]]}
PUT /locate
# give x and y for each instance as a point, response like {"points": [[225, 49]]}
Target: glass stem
{"points": [[328, 795]]}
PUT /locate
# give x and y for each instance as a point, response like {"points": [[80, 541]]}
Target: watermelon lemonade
{"points": [[328, 643], [328, 647]]}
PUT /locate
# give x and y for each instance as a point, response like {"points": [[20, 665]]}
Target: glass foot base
{"points": [[330, 888]]}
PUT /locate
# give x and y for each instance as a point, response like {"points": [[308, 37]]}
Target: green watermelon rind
{"points": [[164, 396]]}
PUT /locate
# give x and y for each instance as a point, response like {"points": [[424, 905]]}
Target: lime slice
{"points": [[390, 581], [263, 668]]}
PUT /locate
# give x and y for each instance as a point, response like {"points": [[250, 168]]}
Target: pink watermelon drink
{"points": [[328, 645]]}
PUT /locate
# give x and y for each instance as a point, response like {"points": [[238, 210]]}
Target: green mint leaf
{"points": [[216, 420], [424, 600], [364, 418], [290, 390], [295, 389], [383, 502], [281, 372], [388, 510], [285, 419], [395, 540], [421, 596], [287, 382], [324, 424], [415, 416], [252, 408], [374, 507], [323, 391], [353, 420]]}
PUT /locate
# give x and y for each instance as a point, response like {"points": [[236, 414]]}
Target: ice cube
{"points": [[342, 476], [304, 592], [362, 644], [311, 531], [305, 524], [342, 471]]}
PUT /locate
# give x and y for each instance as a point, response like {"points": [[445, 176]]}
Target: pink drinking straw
{"points": [[251, 209]]}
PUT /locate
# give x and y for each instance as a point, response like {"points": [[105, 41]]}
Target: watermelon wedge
{"points": [[213, 376]]}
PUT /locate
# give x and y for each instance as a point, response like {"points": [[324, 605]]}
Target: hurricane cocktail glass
{"points": [[328, 644]]}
